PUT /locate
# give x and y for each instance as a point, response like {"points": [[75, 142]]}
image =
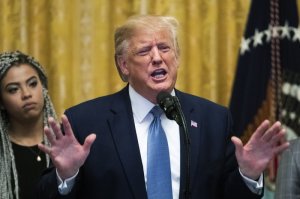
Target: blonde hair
{"points": [[7, 159], [124, 33]]}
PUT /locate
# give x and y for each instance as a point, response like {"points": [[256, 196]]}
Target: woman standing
{"points": [[24, 108]]}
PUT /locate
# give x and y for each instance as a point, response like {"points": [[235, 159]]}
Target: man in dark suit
{"points": [[115, 164]]}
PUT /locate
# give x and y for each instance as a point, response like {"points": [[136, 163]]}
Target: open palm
{"points": [[264, 144], [66, 153]]}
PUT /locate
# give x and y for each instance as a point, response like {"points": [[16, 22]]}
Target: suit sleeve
{"points": [[235, 186], [47, 187]]}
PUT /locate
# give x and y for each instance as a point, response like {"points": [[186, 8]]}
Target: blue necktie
{"points": [[159, 185]]}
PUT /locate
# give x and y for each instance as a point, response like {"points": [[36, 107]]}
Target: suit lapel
{"points": [[124, 136], [194, 129]]}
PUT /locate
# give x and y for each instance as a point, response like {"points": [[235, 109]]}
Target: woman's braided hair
{"points": [[9, 187]]}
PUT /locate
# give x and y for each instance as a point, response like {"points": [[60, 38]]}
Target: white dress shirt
{"points": [[142, 120]]}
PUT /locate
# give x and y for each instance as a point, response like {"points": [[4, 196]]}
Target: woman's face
{"points": [[150, 63], [22, 93]]}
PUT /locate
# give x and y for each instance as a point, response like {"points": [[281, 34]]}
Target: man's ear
{"points": [[122, 67]]}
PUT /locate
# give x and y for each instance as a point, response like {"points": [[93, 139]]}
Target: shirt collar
{"points": [[140, 105]]}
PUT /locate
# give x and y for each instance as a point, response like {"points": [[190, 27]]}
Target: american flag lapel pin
{"points": [[194, 124]]}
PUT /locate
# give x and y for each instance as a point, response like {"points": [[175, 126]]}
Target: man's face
{"points": [[150, 63]]}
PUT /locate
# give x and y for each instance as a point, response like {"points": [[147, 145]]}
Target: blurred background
{"points": [[73, 40]]}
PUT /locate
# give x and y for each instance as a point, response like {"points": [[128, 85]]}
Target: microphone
{"points": [[170, 106]]}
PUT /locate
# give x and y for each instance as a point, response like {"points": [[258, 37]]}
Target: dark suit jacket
{"points": [[114, 168]]}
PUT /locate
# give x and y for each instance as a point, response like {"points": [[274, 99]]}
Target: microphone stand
{"points": [[187, 142]]}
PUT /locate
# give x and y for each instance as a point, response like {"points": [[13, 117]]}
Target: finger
{"points": [[278, 138], [271, 132], [51, 138], [55, 128], [261, 129], [44, 148], [283, 139], [279, 149], [89, 140], [238, 146], [66, 125]]}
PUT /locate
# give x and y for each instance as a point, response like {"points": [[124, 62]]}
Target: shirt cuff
{"points": [[254, 186], [65, 186]]}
